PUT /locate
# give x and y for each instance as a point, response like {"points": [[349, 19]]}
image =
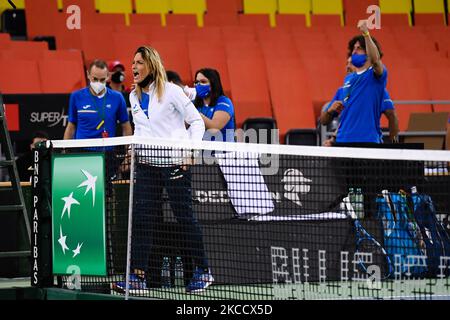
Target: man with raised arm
{"points": [[363, 94]]}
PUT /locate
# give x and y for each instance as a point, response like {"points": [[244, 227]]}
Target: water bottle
{"points": [[359, 204], [352, 197], [165, 273], [179, 274]]}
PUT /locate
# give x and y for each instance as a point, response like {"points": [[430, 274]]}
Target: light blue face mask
{"points": [[358, 60], [203, 90]]}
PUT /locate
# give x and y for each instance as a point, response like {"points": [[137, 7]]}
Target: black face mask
{"points": [[144, 83], [118, 77]]}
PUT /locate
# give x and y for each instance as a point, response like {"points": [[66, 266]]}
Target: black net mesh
{"points": [[210, 224]]}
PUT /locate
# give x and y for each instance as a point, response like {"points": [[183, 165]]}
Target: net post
{"points": [[130, 221], [41, 236]]}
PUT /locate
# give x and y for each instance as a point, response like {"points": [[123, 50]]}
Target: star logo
{"points": [[62, 241], [89, 184], [78, 214], [77, 250], [69, 201]]}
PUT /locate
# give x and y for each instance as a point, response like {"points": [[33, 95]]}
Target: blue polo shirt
{"points": [[223, 104], [362, 96], [87, 112], [387, 104]]}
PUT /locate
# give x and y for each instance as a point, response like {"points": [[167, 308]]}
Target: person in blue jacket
{"points": [[216, 109]]}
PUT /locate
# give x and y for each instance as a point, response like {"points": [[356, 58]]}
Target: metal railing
{"points": [[324, 134]]}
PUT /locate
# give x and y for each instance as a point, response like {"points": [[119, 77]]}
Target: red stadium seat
{"points": [[394, 20], [279, 49], [65, 55], [356, 10], [173, 60], [181, 20], [259, 20], [221, 19], [68, 40], [290, 95], [90, 16], [40, 15], [5, 39], [212, 57], [429, 12], [395, 62], [145, 19], [310, 33], [439, 80], [429, 19], [411, 36], [239, 34], [25, 50], [339, 39], [133, 29], [12, 54], [87, 7], [423, 49], [248, 81], [325, 77], [68, 55], [20, 76], [440, 35], [273, 34], [31, 46], [173, 33], [389, 44], [65, 38], [323, 68], [127, 48], [288, 20], [204, 34], [221, 6], [108, 19], [409, 84], [96, 42], [325, 20], [51, 80], [124, 51]]}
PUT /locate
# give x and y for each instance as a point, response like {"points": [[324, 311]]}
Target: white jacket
{"points": [[166, 118]]}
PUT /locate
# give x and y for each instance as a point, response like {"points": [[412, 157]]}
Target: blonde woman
{"points": [[160, 110]]}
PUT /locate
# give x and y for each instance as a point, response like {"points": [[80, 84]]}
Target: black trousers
{"points": [[150, 234]]}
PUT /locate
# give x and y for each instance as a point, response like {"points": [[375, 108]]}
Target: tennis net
{"points": [[213, 220]]}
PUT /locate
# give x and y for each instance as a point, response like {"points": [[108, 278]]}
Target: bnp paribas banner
{"points": [[78, 214]]}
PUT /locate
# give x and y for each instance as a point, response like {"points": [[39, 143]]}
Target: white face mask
{"points": [[98, 87], [190, 92]]}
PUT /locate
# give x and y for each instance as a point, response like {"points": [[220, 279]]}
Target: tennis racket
{"points": [[369, 251]]}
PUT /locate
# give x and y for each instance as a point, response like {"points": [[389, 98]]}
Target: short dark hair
{"points": [[362, 42], [39, 134], [174, 77], [216, 86], [101, 64]]}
